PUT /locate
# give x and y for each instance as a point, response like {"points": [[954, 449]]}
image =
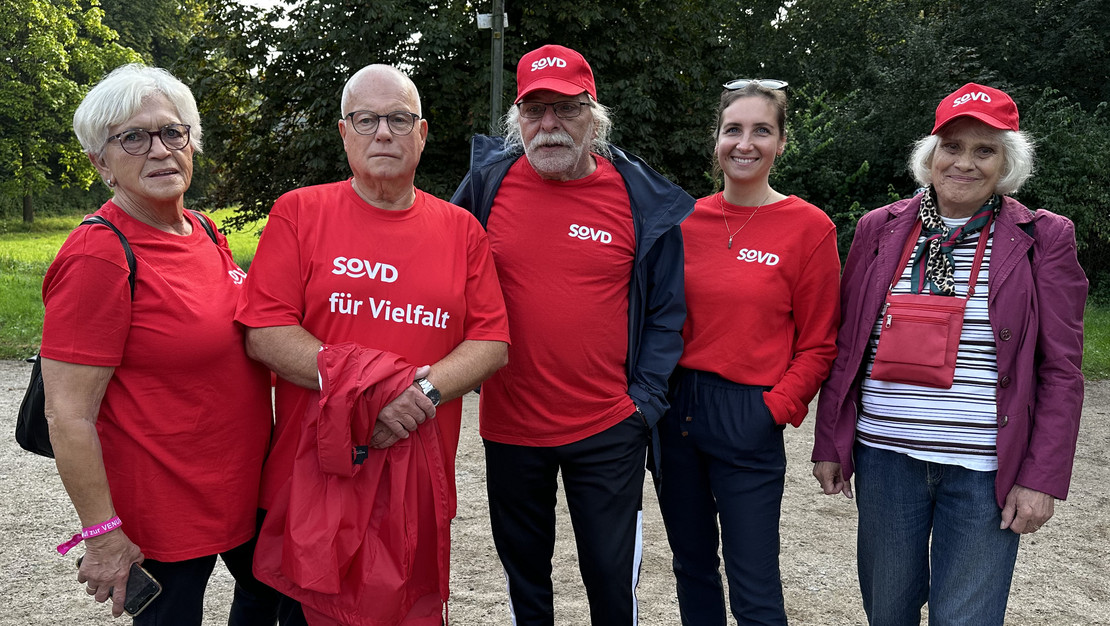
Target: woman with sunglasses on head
{"points": [[762, 280], [158, 419], [960, 432]]}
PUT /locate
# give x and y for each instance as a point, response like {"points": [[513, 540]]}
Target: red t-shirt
{"points": [[415, 282], [185, 421], [564, 252], [764, 313]]}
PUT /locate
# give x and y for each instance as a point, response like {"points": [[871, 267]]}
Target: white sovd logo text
{"points": [[546, 62], [586, 233], [359, 268], [971, 97], [757, 256]]}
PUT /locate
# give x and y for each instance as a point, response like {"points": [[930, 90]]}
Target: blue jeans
{"points": [[903, 502]]}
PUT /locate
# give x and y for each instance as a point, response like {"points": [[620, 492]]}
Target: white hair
{"points": [[1017, 153], [120, 96]]}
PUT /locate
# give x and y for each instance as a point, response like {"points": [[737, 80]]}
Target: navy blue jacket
{"points": [[656, 297]]}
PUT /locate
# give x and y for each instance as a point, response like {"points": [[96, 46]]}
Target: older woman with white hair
{"points": [[158, 419], [956, 392]]}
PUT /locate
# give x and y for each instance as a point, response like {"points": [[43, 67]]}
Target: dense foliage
{"points": [[865, 78], [50, 51]]}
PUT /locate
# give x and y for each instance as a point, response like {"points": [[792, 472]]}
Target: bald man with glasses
{"points": [[378, 305]]}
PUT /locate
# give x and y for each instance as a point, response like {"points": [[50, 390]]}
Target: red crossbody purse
{"points": [[920, 333]]}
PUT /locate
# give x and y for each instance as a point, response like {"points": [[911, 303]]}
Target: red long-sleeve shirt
{"points": [[764, 312]]}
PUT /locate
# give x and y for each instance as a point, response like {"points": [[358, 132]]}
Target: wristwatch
{"points": [[428, 389]]}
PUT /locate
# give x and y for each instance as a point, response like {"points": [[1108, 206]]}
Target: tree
{"points": [[269, 92], [51, 51], [879, 67], [865, 76], [1073, 175], [159, 30]]}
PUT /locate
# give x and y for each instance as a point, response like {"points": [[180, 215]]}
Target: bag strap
{"points": [[206, 225], [980, 250], [103, 221], [97, 219]]}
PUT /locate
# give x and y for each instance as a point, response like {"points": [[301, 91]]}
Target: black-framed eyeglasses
{"points": [[366, 122], [766, 83], [137, 141], [567, 110]]}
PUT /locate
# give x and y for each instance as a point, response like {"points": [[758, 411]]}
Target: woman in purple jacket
{"points": [[973, 461]]}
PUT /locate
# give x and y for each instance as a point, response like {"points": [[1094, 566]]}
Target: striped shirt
{"points": [[956, 426]]}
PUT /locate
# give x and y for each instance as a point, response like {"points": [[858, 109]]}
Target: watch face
{"points": [[429, 390]]}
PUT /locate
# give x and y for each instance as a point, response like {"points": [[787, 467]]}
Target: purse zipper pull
{"points": [[888, 319]]}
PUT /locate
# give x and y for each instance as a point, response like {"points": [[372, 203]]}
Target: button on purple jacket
{"points": [[1035, 305]]}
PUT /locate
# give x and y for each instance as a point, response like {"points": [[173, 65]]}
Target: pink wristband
{"points": [[89, 532]]}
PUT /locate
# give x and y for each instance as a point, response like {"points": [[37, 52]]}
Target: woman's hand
{"points": [[105, 567], [1026, 510], [832, 481], [73, 395]]}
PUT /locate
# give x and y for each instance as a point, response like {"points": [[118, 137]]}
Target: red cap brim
{"points": [[989, 120]]}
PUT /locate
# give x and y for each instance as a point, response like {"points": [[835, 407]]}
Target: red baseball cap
{"points": [[557, 68], [986, 104]]}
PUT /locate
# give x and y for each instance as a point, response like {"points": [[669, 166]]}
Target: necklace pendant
{"points": [[730, 243]]}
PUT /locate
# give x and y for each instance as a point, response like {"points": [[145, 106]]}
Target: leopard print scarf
{"points": [[933, 265]]}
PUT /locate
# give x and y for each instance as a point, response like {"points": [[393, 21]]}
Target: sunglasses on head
{"points": [[766, 83]]}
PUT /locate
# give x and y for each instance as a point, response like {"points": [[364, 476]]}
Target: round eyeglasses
{"points": [[138, 142], [366, 122], [563, 110], [766, 83]]}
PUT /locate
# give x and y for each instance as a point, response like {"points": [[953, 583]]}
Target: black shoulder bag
{"points": [[31, 431]]}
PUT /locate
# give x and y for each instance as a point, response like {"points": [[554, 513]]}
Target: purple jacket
{"points": [[1036, 312]]}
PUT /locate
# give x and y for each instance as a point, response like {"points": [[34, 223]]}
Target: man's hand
{"points": [[382, 437], [1026, 510], [105, 566], [832, 481], [404, 414]]}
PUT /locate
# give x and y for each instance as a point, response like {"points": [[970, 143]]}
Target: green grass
{"points": [[243, 242], [26, 252], [1096, 342]]}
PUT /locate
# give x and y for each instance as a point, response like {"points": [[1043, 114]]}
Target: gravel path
{"points": [[1059, 579]]}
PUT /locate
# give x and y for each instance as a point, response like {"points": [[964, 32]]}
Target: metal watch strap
{"points": [[429, 390]]}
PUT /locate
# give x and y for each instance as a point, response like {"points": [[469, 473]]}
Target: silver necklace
{"points": [[731, 235]]}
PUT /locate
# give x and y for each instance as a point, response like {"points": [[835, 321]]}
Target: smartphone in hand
{"points": [[142, 589]]}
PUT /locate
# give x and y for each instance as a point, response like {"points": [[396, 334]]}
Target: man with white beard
{"points": [[587, 246]]}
